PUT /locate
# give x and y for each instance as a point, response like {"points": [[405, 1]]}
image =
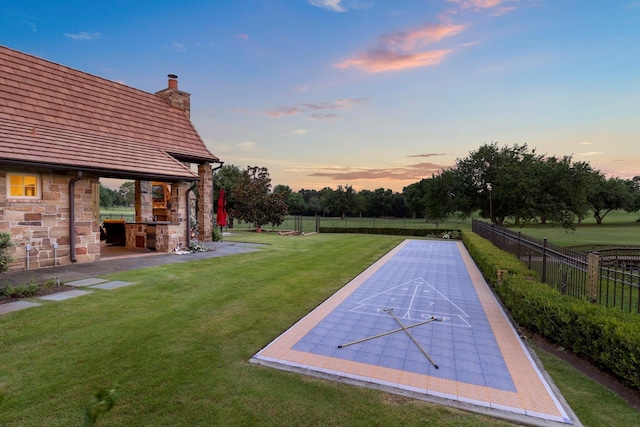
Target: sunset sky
{"points": [[367, 93]]}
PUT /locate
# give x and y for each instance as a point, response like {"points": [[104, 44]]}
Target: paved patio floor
{"points": [[423, 322]]}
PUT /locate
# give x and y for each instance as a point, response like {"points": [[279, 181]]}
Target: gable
{"points": [[55, 115]]}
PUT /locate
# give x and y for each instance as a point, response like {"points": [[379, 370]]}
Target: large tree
{"points": [[439, 197], [494, 180], [415, 200], [509, 182], [608, 195], [561, 190], [253, 201]]}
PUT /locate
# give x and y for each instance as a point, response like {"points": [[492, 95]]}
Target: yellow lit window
{"points": [[23, 186]]}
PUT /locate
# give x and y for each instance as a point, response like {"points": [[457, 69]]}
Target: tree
{"points": [[560, 195], [296, 204], [285, 190], [106, 196], [634, 190], [414, 196], [439, 196], [311, 200], [128, 193], [227, 177], [252, 202], [276, 209], [338, 202], [608, 195]]}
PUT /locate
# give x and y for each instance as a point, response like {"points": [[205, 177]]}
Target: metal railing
{"points": [[126, 217], [610, 276]]}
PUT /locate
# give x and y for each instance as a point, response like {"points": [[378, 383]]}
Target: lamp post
{"points": [[490, 202]]}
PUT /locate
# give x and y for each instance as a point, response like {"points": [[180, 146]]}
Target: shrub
{"points": [[216, 235], [607, 337], [416, 232], [22, 291], [5, 244]]}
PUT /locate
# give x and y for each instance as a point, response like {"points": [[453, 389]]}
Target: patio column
{"points": [[205, 203], [143, 201]]}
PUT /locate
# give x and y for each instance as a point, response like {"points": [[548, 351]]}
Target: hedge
{"points": [[607, 337], [415, 232]]}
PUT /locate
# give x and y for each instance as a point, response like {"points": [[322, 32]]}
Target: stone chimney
{"points": [[175, 97]]}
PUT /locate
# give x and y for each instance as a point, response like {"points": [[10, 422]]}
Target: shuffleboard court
{"points": [[423, 322]]}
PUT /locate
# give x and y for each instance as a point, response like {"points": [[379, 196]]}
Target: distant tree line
{"points": [[508, 183], [500, 183], [518, 184]]}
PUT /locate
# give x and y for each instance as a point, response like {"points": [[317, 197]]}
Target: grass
{"points": [[117, 212], [618, 227], [177, 344], [594, 404]]}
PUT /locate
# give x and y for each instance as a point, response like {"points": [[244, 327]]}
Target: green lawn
{"points": [[618, 227], [117, 213], [179, 341]]}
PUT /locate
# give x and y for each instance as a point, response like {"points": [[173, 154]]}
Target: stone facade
{"points": [[43, 223], [205, 203]]}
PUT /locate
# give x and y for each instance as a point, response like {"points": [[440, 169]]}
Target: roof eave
{"points": [[106, 173]]}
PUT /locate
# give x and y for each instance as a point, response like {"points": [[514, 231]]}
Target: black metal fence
{"points": [[606, 275], [128, 217]]}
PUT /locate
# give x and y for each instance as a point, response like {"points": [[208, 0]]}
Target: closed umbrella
{"points": [[221, 217]]}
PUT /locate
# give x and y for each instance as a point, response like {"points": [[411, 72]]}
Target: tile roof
{"points": [[60, 117]]}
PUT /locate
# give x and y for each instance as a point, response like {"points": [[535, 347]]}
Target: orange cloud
{"points": [[406, 40], [340, 104], [396, 51], [430, 155], [498, 7], [379, 61], [411, 172]]}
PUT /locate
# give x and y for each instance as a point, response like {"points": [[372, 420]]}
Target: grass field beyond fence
{"points": [[178, 343]]}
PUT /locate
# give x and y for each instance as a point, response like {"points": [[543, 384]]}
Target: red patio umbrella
{"points": [[221, 217]]}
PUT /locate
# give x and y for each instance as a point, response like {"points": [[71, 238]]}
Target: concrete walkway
{"points": [[86, 276], [73, 272]]}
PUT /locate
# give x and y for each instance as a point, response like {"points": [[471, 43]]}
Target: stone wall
{"points": [[43, 223]]}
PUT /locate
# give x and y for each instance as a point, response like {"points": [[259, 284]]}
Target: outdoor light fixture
{"points": [[490, 202], [27, 248]]}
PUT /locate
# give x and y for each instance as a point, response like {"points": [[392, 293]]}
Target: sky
{"points": [[367, 93]]}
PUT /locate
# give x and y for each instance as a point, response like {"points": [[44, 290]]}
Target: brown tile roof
{"points": [[57, 116]]}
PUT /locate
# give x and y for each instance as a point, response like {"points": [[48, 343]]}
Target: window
{"points": [[25, 186]]}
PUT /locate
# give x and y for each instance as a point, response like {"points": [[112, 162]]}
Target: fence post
{"points": [[544, 261], [317, 224], [518, 246], [593, 265]]}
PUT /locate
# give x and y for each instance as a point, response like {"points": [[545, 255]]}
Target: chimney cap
{"points": [[172, 76]]}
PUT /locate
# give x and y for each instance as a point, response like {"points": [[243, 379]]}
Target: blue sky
{"points": [[368, 93]]}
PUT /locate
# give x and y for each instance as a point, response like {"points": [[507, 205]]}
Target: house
{"points": [[62, 130]]}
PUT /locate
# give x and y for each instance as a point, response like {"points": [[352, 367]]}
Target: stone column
{"points": [[205, 203], [178, 214], [144, 201]]}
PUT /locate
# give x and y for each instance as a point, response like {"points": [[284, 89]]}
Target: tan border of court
{"points": [[536, 401]]}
